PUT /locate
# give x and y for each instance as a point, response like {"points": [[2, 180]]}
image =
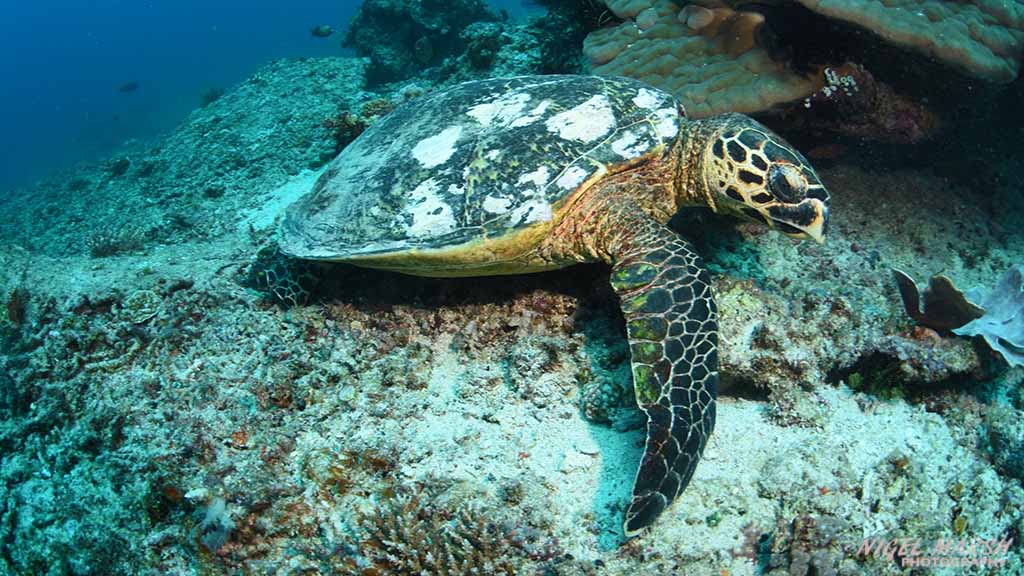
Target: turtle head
{"points": [[753, 173]]}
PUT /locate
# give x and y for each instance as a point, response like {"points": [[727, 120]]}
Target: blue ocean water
{"points": [[64, 63], [178, 397]]}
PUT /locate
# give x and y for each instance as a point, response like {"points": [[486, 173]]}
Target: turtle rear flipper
{"points": [[671, 320]]}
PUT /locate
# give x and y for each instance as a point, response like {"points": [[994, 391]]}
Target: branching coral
{"points": [[406, 535]]}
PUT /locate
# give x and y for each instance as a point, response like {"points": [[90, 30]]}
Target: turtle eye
{"points": [[785, 182]]}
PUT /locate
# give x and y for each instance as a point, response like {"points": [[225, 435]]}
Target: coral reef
{"points": [[1005, 439], [983, 37], [159, 415], [998, 319], [784, 56], [562, 30], [401, 36], [218, 165], [712, 67], [852, 103], [405, 535]]}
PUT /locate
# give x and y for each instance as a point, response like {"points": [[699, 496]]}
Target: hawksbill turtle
{"points": [[532, 173]]}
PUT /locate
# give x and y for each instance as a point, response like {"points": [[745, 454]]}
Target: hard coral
{"points": [[562, 29], [711, 64], [347, 126], [726, 55], [400, 37], [406, 535]]}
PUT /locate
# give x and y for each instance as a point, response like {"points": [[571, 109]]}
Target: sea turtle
{"points": [[531, 173]]}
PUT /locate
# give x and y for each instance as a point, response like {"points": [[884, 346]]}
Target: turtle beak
{"points": [[809, 219], [819, 225]]}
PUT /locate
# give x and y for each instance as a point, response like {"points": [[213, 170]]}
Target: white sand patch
{"points": [[586, 122], [436, 150], [263, 217]]}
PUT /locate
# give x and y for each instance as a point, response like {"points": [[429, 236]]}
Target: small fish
{"points": [[128, 87], [322, 31]]}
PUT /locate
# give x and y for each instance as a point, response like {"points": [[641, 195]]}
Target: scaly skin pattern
{"points": [[672, 325], [671, 321], [734, 166]]}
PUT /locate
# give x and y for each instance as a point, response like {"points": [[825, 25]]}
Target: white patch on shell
{"points": [[492, 154], [667, 123], [431, 215], [532, 117], [436, 150], [538, 177], [497, 205], [505, 109], [648, 99], [532, 211], [627, 146], [586, 122], [571, 178]]}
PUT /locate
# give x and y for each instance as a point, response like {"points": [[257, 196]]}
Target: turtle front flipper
{"points": [[672, 324]]}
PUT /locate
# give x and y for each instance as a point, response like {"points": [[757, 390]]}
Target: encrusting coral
{"points": [[723, 55], [707, 58], [984, 38]]}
